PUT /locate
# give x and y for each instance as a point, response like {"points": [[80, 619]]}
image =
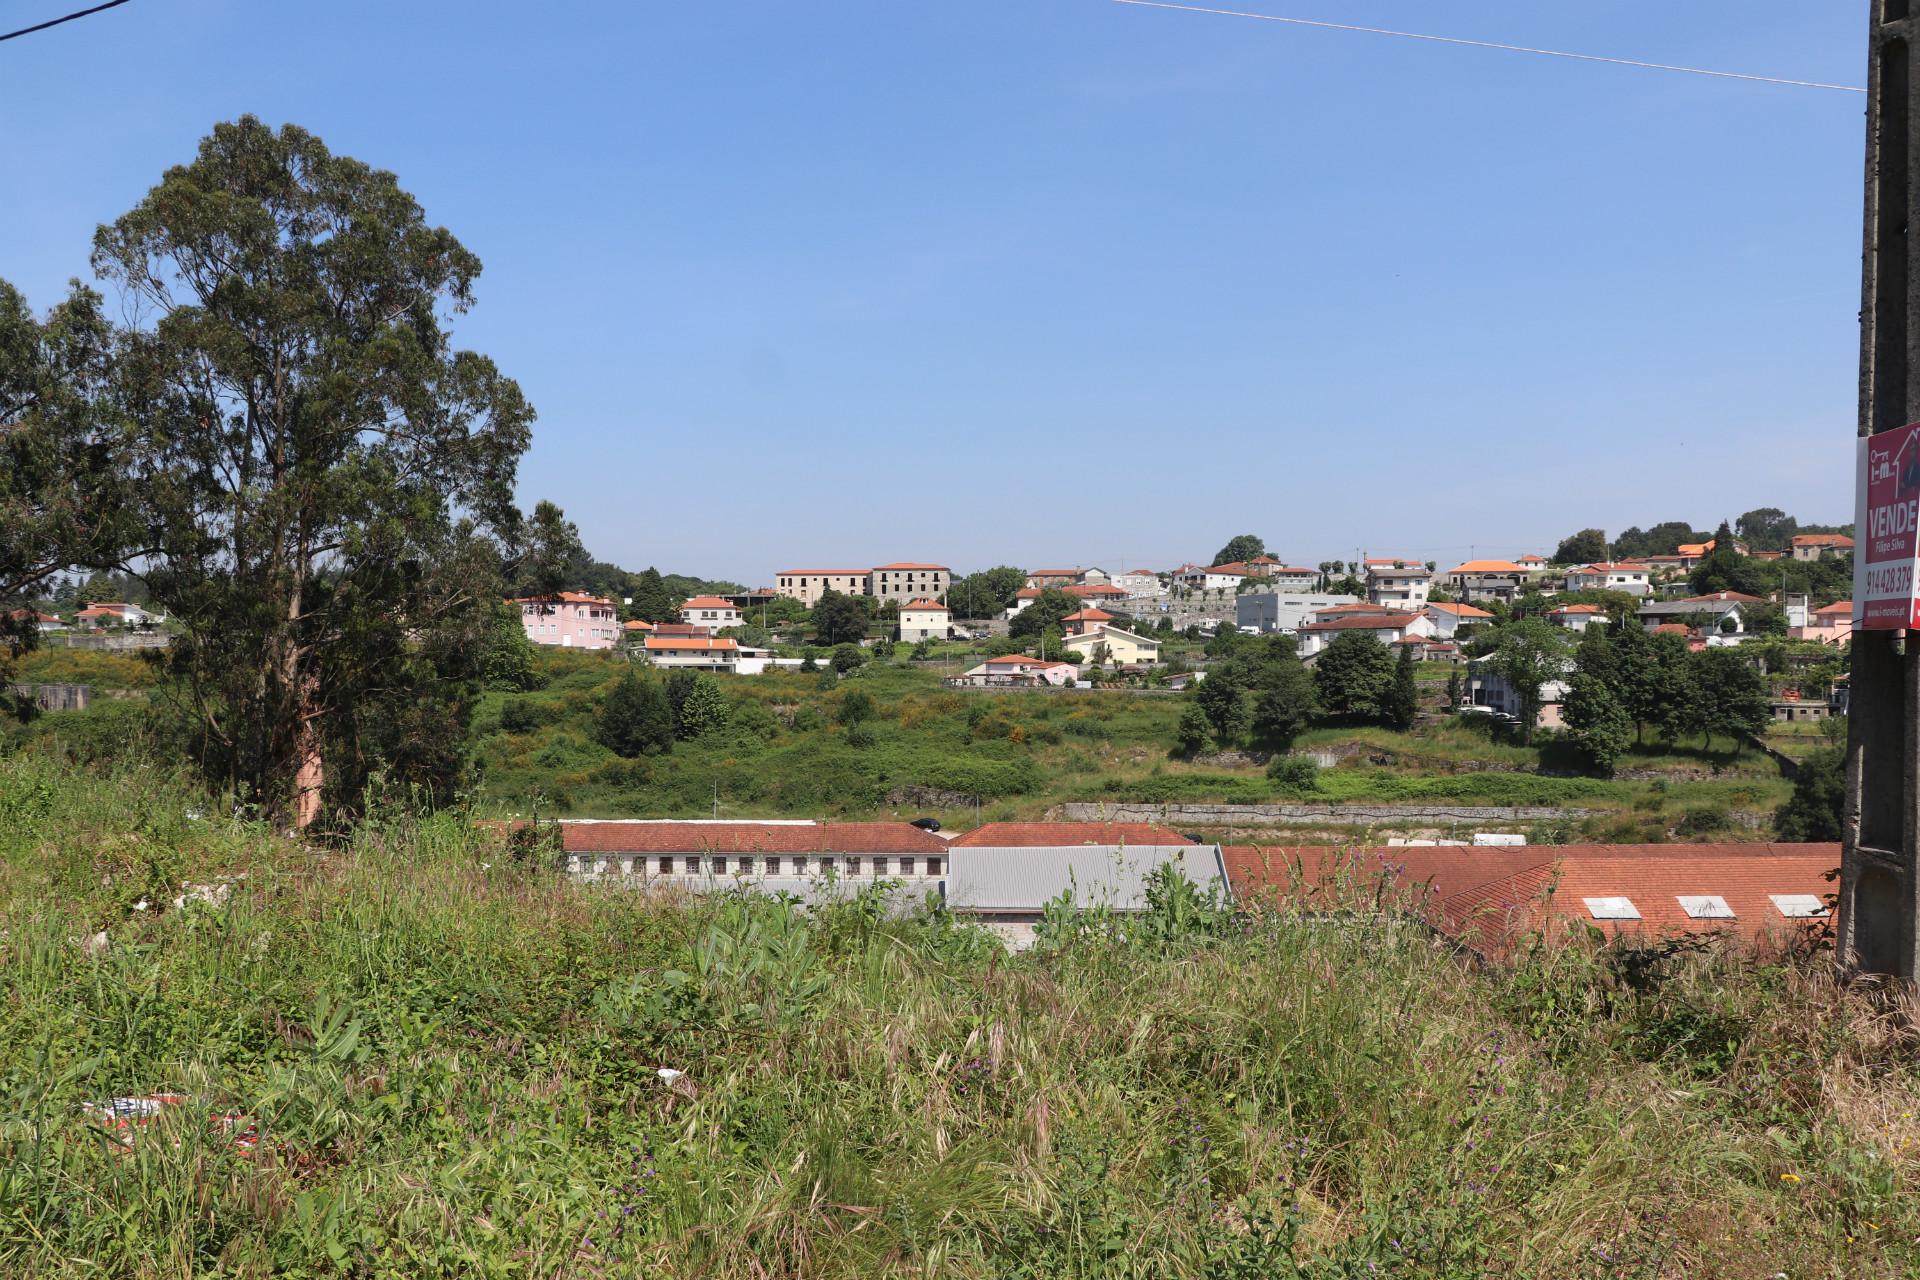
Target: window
{"points": [[933, 866], [773, 864], [853, 866], [1611, 908], [1799, 906], [1706, 906], [666, 866]]}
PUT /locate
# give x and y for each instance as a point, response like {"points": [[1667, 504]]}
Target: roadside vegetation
{"points": [[414, 1053]]}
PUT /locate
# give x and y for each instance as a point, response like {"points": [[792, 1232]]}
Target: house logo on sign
{"points": [[1879, 465]]}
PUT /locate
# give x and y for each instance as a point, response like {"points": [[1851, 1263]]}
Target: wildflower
{"points": [[1789, 1177]]}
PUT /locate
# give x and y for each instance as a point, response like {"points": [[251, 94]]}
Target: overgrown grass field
{"points": [[448, 1059], [966, 756]]}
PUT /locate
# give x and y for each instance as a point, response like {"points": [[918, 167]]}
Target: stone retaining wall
{"points": [[1309, 815]]}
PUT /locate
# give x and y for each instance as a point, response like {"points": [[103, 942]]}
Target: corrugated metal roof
{"points": [[986, 878]]}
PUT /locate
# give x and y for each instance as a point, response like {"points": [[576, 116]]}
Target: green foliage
{"points": [[517, 716], [838, 619], [1295, 773], [1734, 699], [847, 657], [986, 594], [637, 719], [1818, 804], [1528, 653], [1589, 546], [507, 662], [1725, 569], [1044, 613], [1286, 703], [652, 601], [1354, 677], [704, 709], [1241, 547], [1307, 1089], [1403, 695], [1600, 725], [65, 496], [1223, 701], [1191, 736], [319, 480], [855, 706]]}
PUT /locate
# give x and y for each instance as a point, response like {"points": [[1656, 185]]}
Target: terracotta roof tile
{"points": [[747, 837]]}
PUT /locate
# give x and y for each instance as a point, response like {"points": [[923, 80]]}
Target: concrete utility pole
{"points": [[1879, 921]]}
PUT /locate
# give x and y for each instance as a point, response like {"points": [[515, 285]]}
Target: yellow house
{"points": [[1122, 648]]}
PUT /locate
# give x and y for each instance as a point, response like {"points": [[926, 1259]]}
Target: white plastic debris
{"points": [[668, 1075]]}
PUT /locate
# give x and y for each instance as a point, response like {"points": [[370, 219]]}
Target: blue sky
{"points": [[1064, 281]]}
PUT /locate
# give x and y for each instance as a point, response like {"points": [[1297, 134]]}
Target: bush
{"points": [[1703, 820], [1297, 773], [846, 657], [861, 735], [517, 716]]}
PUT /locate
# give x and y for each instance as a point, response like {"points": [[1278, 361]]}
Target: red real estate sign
{"points": [[1887, 516]]}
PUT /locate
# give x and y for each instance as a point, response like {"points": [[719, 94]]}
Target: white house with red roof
{"points": [[924, 620], [1448, 617], [1020, 669], [1387, 628], [1401, 583], [1632, 578], [696, 653], [710, 612], [1478, 580], [1113, 646], [113, 613], [569, 620]]}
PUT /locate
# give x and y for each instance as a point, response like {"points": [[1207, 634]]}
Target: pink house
{"points": [[1831, 625], [571, 620]]}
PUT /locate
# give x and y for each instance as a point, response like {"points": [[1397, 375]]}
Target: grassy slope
{"points": [[784, 756], [1020, 753], [453, 1062]]}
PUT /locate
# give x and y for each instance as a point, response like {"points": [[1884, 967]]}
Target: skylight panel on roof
{"points": [[1799, 906], [1612, 908], [1706, 906]]}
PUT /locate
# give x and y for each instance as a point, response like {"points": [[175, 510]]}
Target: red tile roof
{"points": [[927, 606], [1041, 835], [1458, 610], [1099, 589], [1622, 567], [1089, 615], [746, 837], [637, 624], [1491, 897], [1822, 540], [682, 629], [1837, 607], [1019, 659], [1486, 566], [707, 602], [1578, 608]]}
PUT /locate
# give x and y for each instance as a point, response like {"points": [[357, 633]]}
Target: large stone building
{"points": [[904, 581]]}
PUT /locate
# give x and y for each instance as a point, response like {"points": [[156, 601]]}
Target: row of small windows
{"points": [[1709, 906], [749, 864]]}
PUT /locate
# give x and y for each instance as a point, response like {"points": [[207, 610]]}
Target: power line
{"points": [[54, 22], [1488, 44]]}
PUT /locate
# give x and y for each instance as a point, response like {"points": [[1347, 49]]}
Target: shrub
{"points": [[1703, 820], [861, 735], [846, 657], [517, 716], [1297, 773]]}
